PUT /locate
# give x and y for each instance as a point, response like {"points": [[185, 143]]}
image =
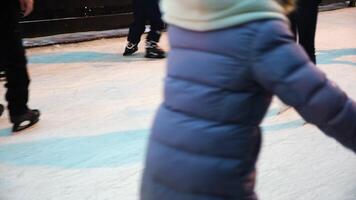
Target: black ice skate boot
{"points": [[26, 120], [2, 75], [153, 50], [130, 49], [1, 109]]}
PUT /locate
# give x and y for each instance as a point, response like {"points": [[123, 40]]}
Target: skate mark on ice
{"points": [[83, 57], [272, 112], [100, 151], [283, 126], [337, 56], [276, 111]]}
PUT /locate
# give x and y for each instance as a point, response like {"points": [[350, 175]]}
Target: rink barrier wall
{"points": [[76, 16]]}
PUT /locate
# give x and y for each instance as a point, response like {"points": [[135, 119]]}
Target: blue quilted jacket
{"points": [[206, 137]]}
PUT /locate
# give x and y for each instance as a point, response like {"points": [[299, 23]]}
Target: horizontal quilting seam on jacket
{"points": [[336, 115], [347, 138], [238, 173], [253, 55], [193, 193], [190, 114], [211, 85], [282, 80], [312, 94], [193, 152], [207, 51], [292, 69], [224, 71], [296, 67], [232, 131], [261, 33], [255, 50], [345, 117], [271, 47]]}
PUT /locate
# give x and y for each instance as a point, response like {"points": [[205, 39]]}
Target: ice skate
{"points": [[153, 50], [2, 75], [26, 120], [130, 49], [1, 109]]}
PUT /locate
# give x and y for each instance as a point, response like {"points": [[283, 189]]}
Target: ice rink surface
{"points": [[97, 108]]}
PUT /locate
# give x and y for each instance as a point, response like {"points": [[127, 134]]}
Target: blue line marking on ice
{"points": [[84, 57], [5, 132], [324, 57], [282, 126], [99, 151], [108, 150], [272, 112], [73, 57], [333, 56]]}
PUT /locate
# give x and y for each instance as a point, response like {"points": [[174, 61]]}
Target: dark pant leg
{"points": [[13, 60], [137, 28], [155, 19], [293, 24], [308, 16], [304, 20]]}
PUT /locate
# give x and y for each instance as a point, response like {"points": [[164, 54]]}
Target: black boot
{"points": [[2, 75], [26, 120], [153, 50], [130, 49], [1, 109]]}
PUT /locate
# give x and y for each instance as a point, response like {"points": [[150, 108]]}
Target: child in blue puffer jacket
{"points": [[227, 59]]}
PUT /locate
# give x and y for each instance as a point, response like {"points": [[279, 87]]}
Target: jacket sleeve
{"points": [[281, 66]]}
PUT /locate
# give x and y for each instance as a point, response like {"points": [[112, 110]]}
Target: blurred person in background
{"points": [[145, 11], [227, 60], [13, 61], [303, 23]]}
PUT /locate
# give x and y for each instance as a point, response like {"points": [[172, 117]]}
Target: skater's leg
{"points": [[157, 25], [155, 19], [293, 24], [307, 13], [1, 109], [13, 59], [137, 28]]}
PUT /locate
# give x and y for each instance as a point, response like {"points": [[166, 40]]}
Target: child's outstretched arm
{"points": [[282, 67]]}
